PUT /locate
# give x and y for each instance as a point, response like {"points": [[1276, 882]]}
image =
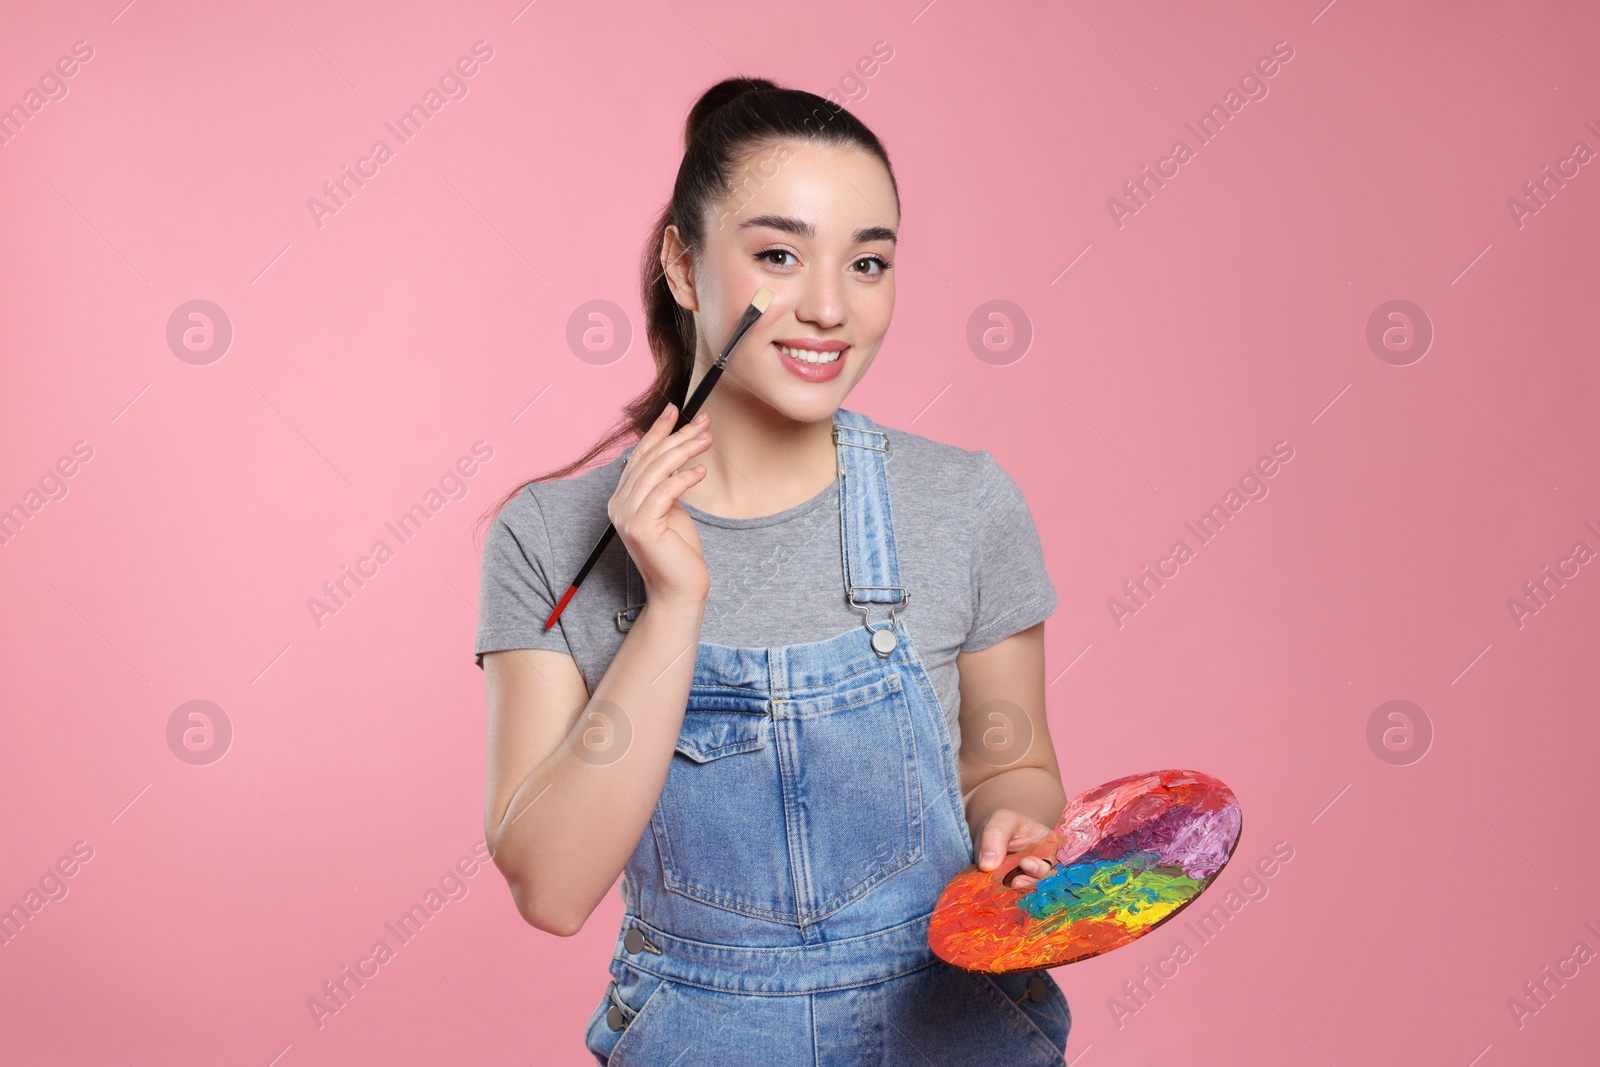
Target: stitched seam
{"points": [[624, 1042], [674, 884], [994, 624], [797, 862], [732, 748], [947, 744], [856, 891], [715, 687], [841, 678], [913, 822], [693, 892], [976, 534], [707, 755], [712, 689], [1066, 1009], [792, 993], [549, 545], [811, 1005], [1018, 1015], [799, 868], [913, 825], [661, 934], [855, 697]]}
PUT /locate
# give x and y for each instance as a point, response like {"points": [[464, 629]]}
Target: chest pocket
{"points": [[790, 809], [719, 824]]}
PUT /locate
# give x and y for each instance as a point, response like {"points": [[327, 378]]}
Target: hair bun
{"points": [[719, 95]]}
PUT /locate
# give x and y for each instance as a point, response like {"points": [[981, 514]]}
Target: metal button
{"points": [[883, 641], [614, 1018], [633, 941], [1036, 989]]}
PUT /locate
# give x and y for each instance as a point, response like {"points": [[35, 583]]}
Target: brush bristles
{"points": [[763, 298]]}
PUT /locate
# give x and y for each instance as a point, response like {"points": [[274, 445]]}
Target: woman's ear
{"points": [[678, 266]]}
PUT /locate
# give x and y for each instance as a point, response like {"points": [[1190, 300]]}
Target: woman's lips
{"points": [[811, 372]]}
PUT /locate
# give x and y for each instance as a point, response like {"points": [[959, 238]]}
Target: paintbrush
{"points": [[758, 305]]}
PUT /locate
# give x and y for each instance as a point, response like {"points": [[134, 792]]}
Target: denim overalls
{"points": [[777, 906]]}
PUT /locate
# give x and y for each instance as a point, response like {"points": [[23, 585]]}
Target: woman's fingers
{"points": [[661, 437], [649, 439], [643, 506], [992, 842], [648, 485], [653, 448], [658, 500], [663, 460], [1006, 831], [1033, 869], [658, 431]]}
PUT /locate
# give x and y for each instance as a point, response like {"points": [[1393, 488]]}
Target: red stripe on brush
{"points": [[554, 615]]}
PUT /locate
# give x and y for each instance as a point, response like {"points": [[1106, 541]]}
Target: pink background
{"points": [[431, 312]]}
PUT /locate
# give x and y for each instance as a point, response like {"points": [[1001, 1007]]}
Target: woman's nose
{"points": [[821, 300]]}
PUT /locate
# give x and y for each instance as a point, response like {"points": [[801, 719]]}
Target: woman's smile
{"points": [[811, 359]]}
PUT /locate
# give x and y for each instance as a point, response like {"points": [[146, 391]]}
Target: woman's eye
{"points": [[774, 256]]}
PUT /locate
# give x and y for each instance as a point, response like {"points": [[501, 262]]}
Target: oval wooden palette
{"points": [[1128, 855]]}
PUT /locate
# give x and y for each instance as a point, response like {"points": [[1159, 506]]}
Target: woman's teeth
{"points": [[807, 356]]}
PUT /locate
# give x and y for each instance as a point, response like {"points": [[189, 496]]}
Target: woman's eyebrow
{"points": [[802, 228]]}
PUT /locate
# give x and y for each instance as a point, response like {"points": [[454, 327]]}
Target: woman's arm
{"points": [[562, 831], [573, 777], [1009, 777]]}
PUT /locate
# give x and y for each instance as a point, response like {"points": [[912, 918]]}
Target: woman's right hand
{"points": [[658, 533]]}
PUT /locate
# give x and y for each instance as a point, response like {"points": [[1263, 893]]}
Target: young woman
{"points": [[807, 682]]}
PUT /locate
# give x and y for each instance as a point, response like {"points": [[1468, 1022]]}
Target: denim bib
{"points": [[776, 908]]}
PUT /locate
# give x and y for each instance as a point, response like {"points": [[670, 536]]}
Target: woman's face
{"points": [[816, 224]]}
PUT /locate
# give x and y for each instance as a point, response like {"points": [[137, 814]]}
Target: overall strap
{"points": [[866, 527]]}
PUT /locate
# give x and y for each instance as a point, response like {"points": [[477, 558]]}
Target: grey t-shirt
{"points": [[969, 555]]}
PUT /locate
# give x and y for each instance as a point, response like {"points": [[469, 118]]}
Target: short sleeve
{"points": [[514, 589], [1011, 587]]}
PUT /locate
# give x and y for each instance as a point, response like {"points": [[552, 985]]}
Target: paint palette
{"points": [[1128, 855]]}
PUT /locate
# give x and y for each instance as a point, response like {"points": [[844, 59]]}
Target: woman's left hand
{"points": [[1006, 831]]}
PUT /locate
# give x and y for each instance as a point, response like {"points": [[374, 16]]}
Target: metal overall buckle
{"points": [[861, 444], [883, 638]]}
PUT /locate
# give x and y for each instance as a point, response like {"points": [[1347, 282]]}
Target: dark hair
{"points": [[731, 119]]}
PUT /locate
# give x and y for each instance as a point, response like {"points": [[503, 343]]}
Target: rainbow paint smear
{"points": [[1128, 856]]}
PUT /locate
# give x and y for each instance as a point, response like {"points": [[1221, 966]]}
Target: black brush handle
{"points": [[689, 410]]}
